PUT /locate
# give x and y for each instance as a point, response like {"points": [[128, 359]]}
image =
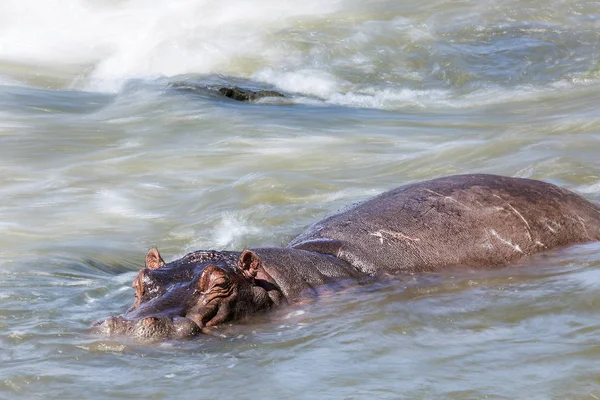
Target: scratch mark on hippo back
{"points": [[582, 221], [396, 235], [515, 247], [551, 225], [520, 216], [448, 198]]}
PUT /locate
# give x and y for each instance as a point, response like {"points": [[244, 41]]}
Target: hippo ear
{"points": [[248, 264], [153, 259]]}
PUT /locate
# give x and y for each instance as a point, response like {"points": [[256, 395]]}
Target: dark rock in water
{"points": [[240, 94], [234, 93]]}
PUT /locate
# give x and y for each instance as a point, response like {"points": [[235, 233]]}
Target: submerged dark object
{"points": [[240, 94], [468, 221], [232, 92]]}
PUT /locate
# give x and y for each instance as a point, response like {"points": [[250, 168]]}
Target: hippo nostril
{"points": [[184, 327], [111, 325]]}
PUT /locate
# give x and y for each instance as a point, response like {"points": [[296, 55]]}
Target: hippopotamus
{"points": [[464, 221]]}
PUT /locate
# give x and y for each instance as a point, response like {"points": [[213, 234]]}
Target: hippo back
{"points": [[472, 221]]}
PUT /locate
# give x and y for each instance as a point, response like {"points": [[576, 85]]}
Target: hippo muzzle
{"points": [[149, 328]]}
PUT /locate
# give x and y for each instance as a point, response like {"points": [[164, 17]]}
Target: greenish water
{"points": [[101, 159]]}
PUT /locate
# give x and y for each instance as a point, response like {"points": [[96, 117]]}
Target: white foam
{"points": [[120, 40], [231, 228], [593, 188], [312, 82], [390, 98]]}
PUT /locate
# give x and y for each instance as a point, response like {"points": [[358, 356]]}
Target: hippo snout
{"points": [[148, 328]]}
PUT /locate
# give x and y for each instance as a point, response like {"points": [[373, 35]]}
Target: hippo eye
{"points": [[212, 277], [214, 283], [220, 282]]}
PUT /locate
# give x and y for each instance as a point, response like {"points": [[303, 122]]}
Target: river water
{"points": [[102, 158]]}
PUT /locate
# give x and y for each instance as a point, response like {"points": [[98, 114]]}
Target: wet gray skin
{"points": [[466, 221]]}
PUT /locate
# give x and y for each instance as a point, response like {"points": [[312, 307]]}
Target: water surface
{"points": [[102, 158]]}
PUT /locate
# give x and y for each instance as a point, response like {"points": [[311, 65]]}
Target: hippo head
{"points": [[201, 290]]}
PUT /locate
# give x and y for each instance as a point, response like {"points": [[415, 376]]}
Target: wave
{"points": [[333, 52], [107, 42]]}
